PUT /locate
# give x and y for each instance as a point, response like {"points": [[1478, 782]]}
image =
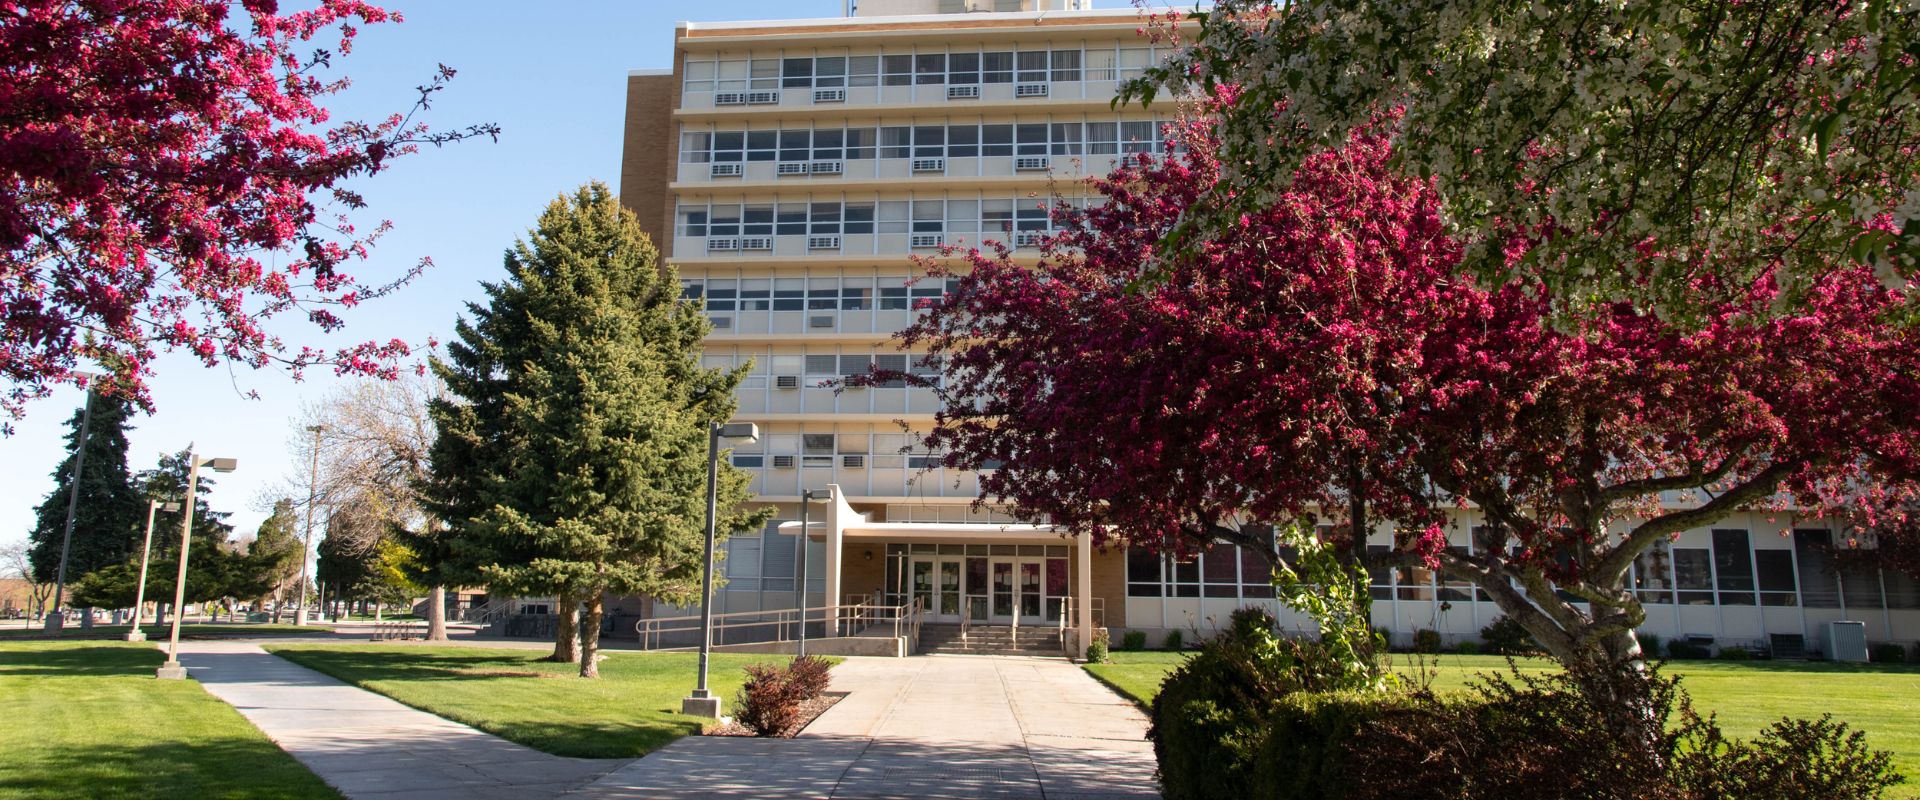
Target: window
{"points": [[996, 140], [1134, 61], [930, 69], [733, 75], [796, 145], [1103, 138], [963, 68], [892, 363], [893, 294], [730, 146], [824, 219], [725, 221], [896, 142], [1733, 567], [1100, 64], [930, 141], [898, 70], [693, 221], [1693, 575], [1773, 570], [762, 145], [1256, 575], [699, 77], [755, 294], [1143, 573], [856, 294], [893, 216], [827, 145], [790, 219], [696, 148], [1066, 138], [796, 73], [963, 141], [757, 220], [830, 73], [860, 143], [1652, 574], [1220, 571], [823, 294], [929, 216], [858, 218], [789, 294], [1066, 65], [1137, 137], [863, 71], [1379, 579], [996, 67], [749, 461], [1030, 140], [722, 294], [1032, 66]]}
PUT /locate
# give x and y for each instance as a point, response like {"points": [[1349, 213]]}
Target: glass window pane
{"points": [[1733, 566], [996, 67], [930, 68]]}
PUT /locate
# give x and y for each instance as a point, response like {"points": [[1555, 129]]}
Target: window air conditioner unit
{"points": [[783, 462], [791, 168], [820, 322], [853, 462], [717, 245], [1030, 90], [927, 240], [829, 167], [763, 98], [1028, 238], [786, 381], [962, 92], [756, 243], [722, 323], [730, 99], [823, 243], [829, 95], [929, 165], [1031, 162], [729, 169]]}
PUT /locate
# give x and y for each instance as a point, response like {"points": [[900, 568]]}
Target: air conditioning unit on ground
{"points": [[729, 169], [929, 165], [820, 322], [829, 167], [791, 168], [1030, 162], [963, 92], [823, 243], [783, 462], [1030, 90], [763, 98], [829, 95], [730, 99], [786, 381], [927, 240], [719, 245], [853, 462], [756, 243]]}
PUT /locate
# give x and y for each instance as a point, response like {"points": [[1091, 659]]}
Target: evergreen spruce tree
{"points": [[277, 548], [110, 514], [573, 447], [214, 569]]}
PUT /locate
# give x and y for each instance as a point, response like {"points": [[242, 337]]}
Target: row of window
{"points": [[970, 140], [816, 369], [724, 295], [934, 215], [954, 66]]}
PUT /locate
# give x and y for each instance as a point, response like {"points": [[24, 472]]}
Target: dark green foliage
{"points": [[1467, 648], [1649, 645], [1426, 640], [1736, 653], [111, 514], [1174, 641], [277, 547], [212, 573], [1506, 637], [1887, 653], [771, 701], [1791, 760], [1683, 649], [572, 443], [1133, 640], [1097, 649]]}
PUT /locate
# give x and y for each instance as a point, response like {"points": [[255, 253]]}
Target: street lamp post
{"points": [[702, 703], [54, 620], [800, 574], [172, 669], [313, 484], [146, 548]]}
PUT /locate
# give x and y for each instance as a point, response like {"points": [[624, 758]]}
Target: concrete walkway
{"points": [[370, 747], [925, 727]]}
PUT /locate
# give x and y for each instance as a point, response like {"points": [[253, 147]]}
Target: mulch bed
{"points": [[811, 710]]}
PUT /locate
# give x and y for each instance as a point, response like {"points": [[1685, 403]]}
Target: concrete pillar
{"points": [[1083, 594], [835, 541]]}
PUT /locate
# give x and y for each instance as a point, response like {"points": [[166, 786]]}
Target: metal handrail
{"points": [[852, 619]]}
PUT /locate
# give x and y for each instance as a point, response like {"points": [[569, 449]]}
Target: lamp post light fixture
{"points": [[306, 548], [807, 496], [702, 703], [54, 619], [146, 548], [172, 670]]}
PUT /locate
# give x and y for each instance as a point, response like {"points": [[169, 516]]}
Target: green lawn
{"points": [[1747, 695], [633, 709], [88, 719], [158, 633]]}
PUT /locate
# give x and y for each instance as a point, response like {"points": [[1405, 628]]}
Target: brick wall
{"points": [[650, 152]]}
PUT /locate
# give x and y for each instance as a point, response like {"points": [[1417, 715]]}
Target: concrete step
{"points": [[947, 639]]}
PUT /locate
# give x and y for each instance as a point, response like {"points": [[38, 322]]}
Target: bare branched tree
{"points": [[16, 563]]}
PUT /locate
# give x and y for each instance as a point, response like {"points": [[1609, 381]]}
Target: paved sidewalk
{"points": [[370, 747], [924, 727]]}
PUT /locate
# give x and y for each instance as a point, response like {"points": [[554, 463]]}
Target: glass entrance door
{"points": [[935, 582]]}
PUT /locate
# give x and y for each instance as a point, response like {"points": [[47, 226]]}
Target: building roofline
{"points": [[1100, 14], [636, 73]]}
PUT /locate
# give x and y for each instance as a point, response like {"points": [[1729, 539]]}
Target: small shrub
{"points": [[1506, 637], [1649, 645], [1467, 648], [1887, 653], [1426, 640], [1683, 649], [1174, 641], [1792, 759], [772, 697], [1735, 653], [1134, 640], [1097, 649]]}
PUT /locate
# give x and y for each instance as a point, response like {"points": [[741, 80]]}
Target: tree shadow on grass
{"points": [[196, 770], [71, 660], [359, 665]]}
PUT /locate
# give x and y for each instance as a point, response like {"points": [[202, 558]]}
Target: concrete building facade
{"points": [[792, 170]]}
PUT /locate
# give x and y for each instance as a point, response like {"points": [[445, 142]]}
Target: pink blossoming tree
{"points": [[1326, 362], [169, 181]]}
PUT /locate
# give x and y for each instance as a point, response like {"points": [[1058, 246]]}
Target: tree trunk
{"points": [[437, 614], [591, 607], [565, 634]]}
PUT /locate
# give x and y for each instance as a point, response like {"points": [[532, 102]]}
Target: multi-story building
{"points": [[793, 169]]}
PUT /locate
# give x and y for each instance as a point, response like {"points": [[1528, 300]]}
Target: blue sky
{"points": [[553, 75]]}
